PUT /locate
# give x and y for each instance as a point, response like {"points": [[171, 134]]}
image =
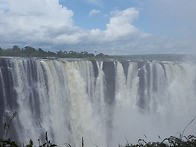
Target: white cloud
{"points": [[121, 24], [46, 23], [33, 20], [93, 12], [119, 28]]}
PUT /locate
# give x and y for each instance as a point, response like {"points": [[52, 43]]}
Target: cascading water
{"points": [[105, 102]]}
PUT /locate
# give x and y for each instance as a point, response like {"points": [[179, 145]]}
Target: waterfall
{"points": [[105, 102]]}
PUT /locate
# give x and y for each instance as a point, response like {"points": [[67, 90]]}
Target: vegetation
{"points": [[172, 141], [29, 51], [10, 143], [182, 141]]}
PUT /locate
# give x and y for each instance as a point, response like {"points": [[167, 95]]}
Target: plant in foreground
{"points": [[189, 141], [182, 141]]}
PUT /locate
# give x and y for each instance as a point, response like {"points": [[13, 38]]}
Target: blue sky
{"points": [[110, 27], [100, 18]]}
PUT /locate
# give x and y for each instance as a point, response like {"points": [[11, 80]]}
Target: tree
{"points": [[41, 53], [29, 51], [15, 48], [1, 51], [51, 54], [60, 54], [100, 55]]}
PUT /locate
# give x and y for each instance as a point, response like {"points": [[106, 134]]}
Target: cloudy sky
{"points": [[107, 26]]}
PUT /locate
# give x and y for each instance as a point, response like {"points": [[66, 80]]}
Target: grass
{"points": [[189, 141]]}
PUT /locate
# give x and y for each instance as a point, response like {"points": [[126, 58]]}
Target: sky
{"points": [[114, 27]]}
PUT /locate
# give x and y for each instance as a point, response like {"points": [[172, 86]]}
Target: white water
{"points": [[68, 101]]}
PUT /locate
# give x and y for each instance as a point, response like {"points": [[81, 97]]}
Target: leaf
{"points": [[31, 142], [46, 136], [52, 145]]}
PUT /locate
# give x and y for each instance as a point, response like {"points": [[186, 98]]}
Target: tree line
{"points": [[29, 51]]}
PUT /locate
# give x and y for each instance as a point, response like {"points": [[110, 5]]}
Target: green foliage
{"points": [[7, 143], [10, 143], [172, 141], [30, 143], [29, 51]]}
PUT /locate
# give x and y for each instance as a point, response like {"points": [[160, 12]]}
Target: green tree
{"points": [[41, 53], [15, 48], [1, 51], [29, 51], [61, 54]]}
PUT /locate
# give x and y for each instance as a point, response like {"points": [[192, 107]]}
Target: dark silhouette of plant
{"points": [[7, 126], [188, 125], [47, 143], [82, 142], [172, 141], [8, 142]]}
